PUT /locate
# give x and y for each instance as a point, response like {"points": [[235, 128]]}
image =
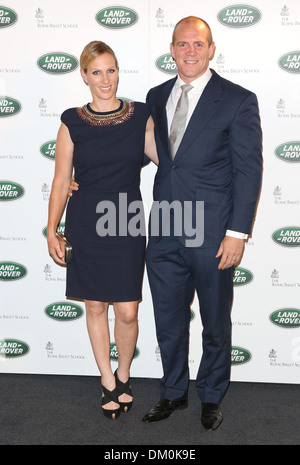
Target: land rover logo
{"points": [[166, 64], [64, 311], [288, 236], [9, 107], [57, 63], [290, 62], [13, 348], [7, 17], [10, 190], [242, 277], [114, 352], [10, 271], [239, 356], [116, 17], [48, 149], [286, 317], [239, 16], [60, 228], [289, 151]]}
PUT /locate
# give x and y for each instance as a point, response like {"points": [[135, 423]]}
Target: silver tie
{"points": [[178, 123]]}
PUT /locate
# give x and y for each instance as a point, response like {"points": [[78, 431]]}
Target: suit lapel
{"points": [[208, 104], [161, 115]]}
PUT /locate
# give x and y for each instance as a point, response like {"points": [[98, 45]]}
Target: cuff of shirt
{"points": [[236, 234]]}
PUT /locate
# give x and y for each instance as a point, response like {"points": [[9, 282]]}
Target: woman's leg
{"points": [[97, 326], [126, 332]]}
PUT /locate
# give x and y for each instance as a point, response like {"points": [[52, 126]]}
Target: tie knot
{"points": [[186, 88]]}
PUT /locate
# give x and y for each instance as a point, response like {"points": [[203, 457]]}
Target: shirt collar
{"points": [[198, 83]]}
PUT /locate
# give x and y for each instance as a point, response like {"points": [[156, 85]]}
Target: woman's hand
{"points": [[150, 145], [56, 250]]}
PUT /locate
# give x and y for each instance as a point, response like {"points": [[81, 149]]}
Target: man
{"points": [[218, 161]]}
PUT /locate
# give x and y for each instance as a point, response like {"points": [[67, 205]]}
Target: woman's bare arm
{"points": [[59, 191]]}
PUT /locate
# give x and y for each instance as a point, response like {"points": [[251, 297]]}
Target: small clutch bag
{"points": [[67, 246]]}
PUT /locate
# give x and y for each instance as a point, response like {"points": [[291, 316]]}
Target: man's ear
{"points": [[212, 49], [172, 50]]}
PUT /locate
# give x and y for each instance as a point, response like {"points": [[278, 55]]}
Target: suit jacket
{"points": [[219, 160]]}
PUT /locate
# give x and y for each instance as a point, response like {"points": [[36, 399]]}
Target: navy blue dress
{"points": [[108, 240]]}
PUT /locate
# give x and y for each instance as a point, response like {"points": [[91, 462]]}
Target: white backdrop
{"points": [[258, 47]]}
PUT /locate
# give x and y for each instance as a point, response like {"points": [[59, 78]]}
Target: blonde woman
{"points": [[104, 142]]}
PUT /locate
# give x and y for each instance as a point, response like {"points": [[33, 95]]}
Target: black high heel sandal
{"points": [[110, 396], [124, 388]]}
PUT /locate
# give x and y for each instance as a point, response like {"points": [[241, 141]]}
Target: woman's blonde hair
{"points": [[92, 51]]}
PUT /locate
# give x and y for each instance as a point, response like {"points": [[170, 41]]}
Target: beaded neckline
{"points": [[119, 116]]}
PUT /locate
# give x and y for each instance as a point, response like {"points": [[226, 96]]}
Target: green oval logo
{"points": [[286, 317], [57, 63], [64, 311], [290, 62], [116, 17], [242, 277], [8, 17], [10, 190], [239, 16], [166, 64], [239, 356], [114, 352], [9, 107], [10, 348], [136, 352], [10, 271], [289, 151], [48, 149], [60, 228], [288, 236]]}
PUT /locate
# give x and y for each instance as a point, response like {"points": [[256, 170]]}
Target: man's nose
{"points": [[191, 50]]}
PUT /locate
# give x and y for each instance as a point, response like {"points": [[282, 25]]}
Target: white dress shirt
{"points": [[193, 96]]}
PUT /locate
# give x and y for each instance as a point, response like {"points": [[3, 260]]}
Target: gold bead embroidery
{"points": [[117, 117]]}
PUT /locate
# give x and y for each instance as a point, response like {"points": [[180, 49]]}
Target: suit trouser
{"points": [[174, 273]]}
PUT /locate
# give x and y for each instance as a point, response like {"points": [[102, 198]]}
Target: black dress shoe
{"points": [[163, 409], [211, 416]]}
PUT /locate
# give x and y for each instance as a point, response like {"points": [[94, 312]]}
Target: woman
{"points": [[105, 142]]}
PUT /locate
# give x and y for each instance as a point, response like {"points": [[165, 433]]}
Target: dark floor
{"points": [[65, 410]]}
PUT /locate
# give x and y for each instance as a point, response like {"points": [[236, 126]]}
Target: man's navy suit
{"points": [[219, 162]]}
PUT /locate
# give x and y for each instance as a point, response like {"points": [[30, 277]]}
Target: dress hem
{"points": [[111, 301]]}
